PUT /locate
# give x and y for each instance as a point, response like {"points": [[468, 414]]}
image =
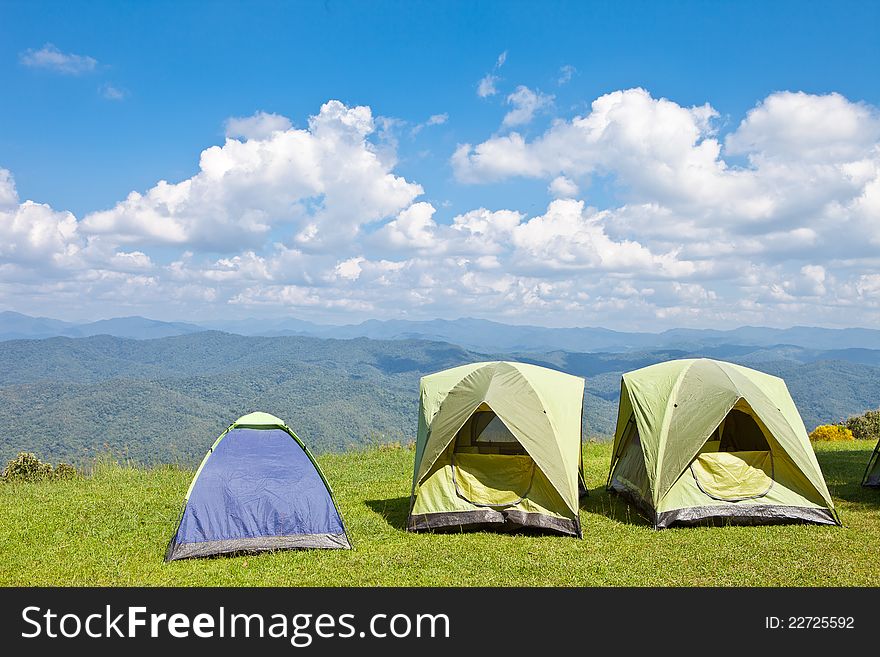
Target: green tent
{"points": [[499, 445], [872, 472], [700, 440]]}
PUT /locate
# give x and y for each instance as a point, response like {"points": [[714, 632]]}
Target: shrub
{"points": [[831, 432], [27, 467], [865, 426], [64, 471]]}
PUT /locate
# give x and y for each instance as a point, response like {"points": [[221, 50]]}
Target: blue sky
{"points": [[137, 91]]}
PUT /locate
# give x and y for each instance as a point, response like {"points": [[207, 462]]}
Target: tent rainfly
{"points": [[499, 446], [872, 472], [700, 440], [258, 489]]}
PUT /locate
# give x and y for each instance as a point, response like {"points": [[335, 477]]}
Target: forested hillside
{"points": [[166, 399]]}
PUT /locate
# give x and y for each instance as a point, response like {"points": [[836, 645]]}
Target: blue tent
{"points": [[258, 488]]}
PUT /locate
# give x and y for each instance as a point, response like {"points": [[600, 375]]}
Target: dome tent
{"points": [[257, 489], [700, 440], [499, 445]]}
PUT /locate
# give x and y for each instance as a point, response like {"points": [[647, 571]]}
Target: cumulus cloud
{"points": [[414, 228], [258, 126], [46, 262], [774, 221], [562, 187], [802, 126], [667, 158], [624, 132], [33, 234], [50, 58], [567, 237], [809, 193], [525, 103], [321, 184]]}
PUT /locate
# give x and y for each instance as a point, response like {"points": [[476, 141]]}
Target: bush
{"points": [[865, 426], [27, 467], [831, 432], [65, 471]]}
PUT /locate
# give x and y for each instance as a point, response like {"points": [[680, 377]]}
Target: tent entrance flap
{"points": [[492, 480], [734, 476], [490, 467]]}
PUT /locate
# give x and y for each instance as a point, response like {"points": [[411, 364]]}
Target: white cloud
{"points": [[109, 92], [625, 132], [349, 269], [486, 86], [319, 220], [258, 126], [567, 237], [562, 187], [8, 194], [320, 185], [131, 261], [565, 74], [51, 58], [666, 156], [414, 228], [526, 103], [434, 119], [484, 231], [800, 126], [33, 234]]}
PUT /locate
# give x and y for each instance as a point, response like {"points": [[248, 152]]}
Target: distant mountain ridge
{"points": [[16, 326], [166, 399], [477, 334]]}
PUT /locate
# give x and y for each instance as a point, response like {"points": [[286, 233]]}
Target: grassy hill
{"points": [[164, 400], [112, 528]]}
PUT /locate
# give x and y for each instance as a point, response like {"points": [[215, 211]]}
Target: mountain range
{"points": [[165, 399], [476, 334]]}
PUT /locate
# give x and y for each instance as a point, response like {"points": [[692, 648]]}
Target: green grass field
{"points": [[112, 527]]}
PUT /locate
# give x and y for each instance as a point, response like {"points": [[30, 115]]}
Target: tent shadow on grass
{"points": [[843, 471], [394, 510], [601, 503]]}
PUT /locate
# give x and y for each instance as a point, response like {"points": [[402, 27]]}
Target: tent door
{"points": [[492, 481], [734, 476], [736, 463], [490, 468]]}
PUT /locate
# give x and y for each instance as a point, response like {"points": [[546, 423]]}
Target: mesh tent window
{"points": [[485, 433]]}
